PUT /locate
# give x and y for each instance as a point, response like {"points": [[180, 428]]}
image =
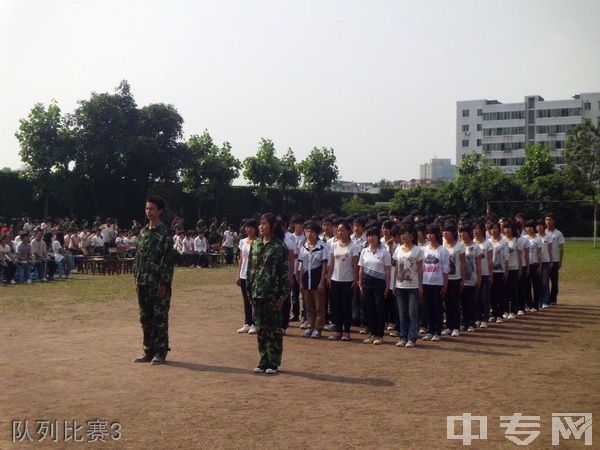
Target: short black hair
{"points": [[434, 228], [158, 201], [374, 231], [313, 226]]}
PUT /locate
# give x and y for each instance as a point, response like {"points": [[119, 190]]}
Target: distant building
{"points": [[501, 131], [355, 187], [437, 169], [410, 184]]}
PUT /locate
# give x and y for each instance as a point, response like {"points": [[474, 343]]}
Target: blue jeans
{"points": [[408, 311], [544, 284]]}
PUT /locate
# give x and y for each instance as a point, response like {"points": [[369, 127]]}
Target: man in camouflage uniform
{"points": [[268, 284], [153, 271]]}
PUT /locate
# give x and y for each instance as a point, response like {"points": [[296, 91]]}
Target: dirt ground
{"points": [[72, 361]]}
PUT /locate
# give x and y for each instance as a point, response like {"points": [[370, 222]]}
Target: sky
{"points": [[376, 80]]}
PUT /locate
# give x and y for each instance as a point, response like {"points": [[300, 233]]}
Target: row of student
{"points": [[381, 275], [193, 247]]}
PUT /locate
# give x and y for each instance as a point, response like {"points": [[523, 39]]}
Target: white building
{"points": [[501, 131], [437, 169]]}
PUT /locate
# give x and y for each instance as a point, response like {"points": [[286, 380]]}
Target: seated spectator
{"points": [[7, 260], [25, 260], [85, 241], [40, 253], [130, 243], [201, 249], [62, 262], [189, 254], [97, 243]]}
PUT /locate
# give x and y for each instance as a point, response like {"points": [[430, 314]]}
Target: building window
{"points": [[465, 128], [465, 143], [465, 113], [478, 142], [587, 106], [480, 112], [479, 127]]}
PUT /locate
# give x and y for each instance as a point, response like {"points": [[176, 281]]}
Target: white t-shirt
{"points": [[485, 247], [119, 240], [535, 243], [107, 234], [407, 266], [311, 262], [56, 249], [188, 245], [228, 238], [500, 253], [472, 253], [342, 255], [436, 262], [558, 240], [361, 241], [513, 253], [547, 240], [244, 247], [454, 252], [523, 245], [97, 241], [200, 244], [375, 262]]}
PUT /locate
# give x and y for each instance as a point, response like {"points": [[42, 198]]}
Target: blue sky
{"points": [[376, 80]]}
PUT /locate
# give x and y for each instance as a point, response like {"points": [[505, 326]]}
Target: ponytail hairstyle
{"points": [[276, 224]]}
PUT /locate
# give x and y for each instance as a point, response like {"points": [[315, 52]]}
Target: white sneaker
{"points": [[471, 329], [512, 316], [271, 371], [44, 279], [520, 313], [29, 281], [422, 331], [252, 330], [244, 329], [13, 282], [463, 328], [446, 332], [394, 333], [391, 326], [455, 333], [505, 316], [308, 333], [427, 337], [401, 343], [499, 320], [545, 306], [316, 334], [436, 337], [304, 326], [259, 370], [409, 344], [74, 271], [483, 325]]}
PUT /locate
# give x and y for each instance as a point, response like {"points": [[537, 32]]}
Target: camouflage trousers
{"points": [[268, 321], [154, 317]]}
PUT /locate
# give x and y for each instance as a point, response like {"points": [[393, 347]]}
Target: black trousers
{"points": [[341, 302], [432, 301], [9, 271], [452, 303], [468, 302], [512, 292], [295, 294], [554, 283], [524, 290], [498, 294], [248, 320], [375, 306], [534, 280]]}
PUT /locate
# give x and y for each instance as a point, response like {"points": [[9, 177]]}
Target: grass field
{"points": [[67, 350]]}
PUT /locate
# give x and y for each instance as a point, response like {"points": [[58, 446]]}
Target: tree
{"points": [[538, 163], [319, 169], [263, 169], [46, 142], [289, 175], [208, 169], [106, 131], [582, 155], [479, 181]]}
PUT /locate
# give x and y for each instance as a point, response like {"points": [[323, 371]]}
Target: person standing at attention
{"points": [[153, 272], [268, 285]]}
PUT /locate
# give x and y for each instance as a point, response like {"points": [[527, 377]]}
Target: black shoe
{"points": [[158, 359], [143, 359]]}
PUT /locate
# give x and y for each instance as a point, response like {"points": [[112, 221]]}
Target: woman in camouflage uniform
{"points": [[268, 286]]}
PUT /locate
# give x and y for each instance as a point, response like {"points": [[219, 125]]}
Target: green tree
{"points": [[479, 181], [47, 149], [582, 156], [263, 169], [208, 169], [289, 175], [106, 131], [538, 163]]}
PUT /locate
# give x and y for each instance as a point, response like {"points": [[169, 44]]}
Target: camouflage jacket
{"points": [[268, 273], [154, 258]]}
